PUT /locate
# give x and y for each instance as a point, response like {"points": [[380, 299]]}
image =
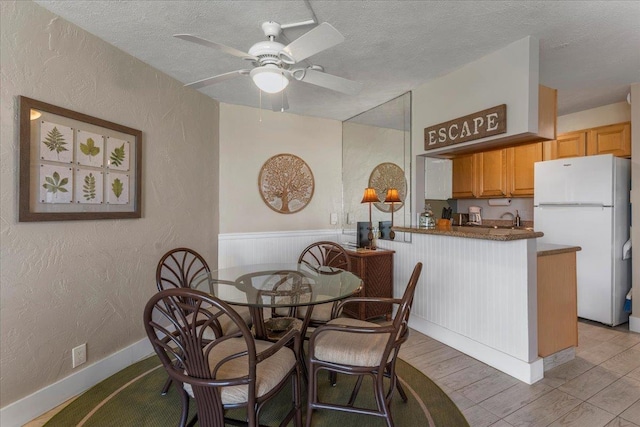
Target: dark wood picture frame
{"points": [[32, 209]]}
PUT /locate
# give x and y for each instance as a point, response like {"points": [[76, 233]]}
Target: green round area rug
{"points": [[132, 398]]}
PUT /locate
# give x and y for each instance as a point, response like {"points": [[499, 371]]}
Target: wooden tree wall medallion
{"points": [[286, 183], [384, 176]]}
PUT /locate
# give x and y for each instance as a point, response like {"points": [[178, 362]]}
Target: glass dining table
{"points": [[279, 286]]}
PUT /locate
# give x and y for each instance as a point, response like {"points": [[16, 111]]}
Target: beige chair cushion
{"points": [[270, 372], [320, 313], [227, 325], [354, 349]]}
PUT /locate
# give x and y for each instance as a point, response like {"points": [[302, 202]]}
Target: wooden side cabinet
{"points": [[557, 300], [375, 268]]}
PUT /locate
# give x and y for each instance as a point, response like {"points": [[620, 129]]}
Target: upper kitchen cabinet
{"points": [[520, 161], [498, 173], [611, 139], [572, 144], [437, 182], [463, 177], [491, 173]]}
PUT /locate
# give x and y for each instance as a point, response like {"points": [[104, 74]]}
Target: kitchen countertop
{"points": [[545, 249], [497, 234]]}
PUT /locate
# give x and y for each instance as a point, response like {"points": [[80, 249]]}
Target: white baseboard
{"points": [[528, 372], [26, 409], [634, 324]]}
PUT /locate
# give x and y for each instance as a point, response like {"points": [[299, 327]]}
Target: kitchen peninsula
{"points": [[478, 293]]}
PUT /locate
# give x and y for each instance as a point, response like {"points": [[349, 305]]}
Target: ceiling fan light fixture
{"points": [[269, 78]]}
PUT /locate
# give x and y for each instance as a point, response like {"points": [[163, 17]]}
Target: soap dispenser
{"points": [[517, 219]]}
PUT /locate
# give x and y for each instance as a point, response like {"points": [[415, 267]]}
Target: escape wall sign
{"points": [[492, 121]]}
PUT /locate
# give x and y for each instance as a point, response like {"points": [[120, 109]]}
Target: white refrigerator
{"points": [[584, 201]]}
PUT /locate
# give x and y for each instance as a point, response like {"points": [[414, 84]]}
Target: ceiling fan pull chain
{"points": [[260, 103]]}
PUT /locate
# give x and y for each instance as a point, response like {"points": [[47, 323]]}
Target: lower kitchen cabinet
{"points": [[557, 298], [375, 268]]}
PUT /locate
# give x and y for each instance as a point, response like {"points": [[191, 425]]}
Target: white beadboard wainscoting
{"points": [[269, 247], [477, 296]]}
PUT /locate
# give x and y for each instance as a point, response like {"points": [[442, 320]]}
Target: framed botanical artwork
{"points": [[76, 167], [286, 183]]}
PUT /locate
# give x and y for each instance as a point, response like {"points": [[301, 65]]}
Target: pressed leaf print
{"points": [[90, 149], [117, 187], [117, 155], [54, 184], [89, 187], [55, 141]]}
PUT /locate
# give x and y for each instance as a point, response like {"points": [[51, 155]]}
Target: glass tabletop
{"points": [[278, 285]]}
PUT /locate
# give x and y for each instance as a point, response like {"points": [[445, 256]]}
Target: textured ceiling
{"points": [[589, 50]]}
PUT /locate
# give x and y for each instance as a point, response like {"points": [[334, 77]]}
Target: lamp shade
{"points": [[269, 78], [370, 196], [392, 196]]}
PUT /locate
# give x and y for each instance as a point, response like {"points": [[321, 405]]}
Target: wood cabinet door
{"points": [[491, 173], [612, 139], [520, 168], [463, 177], [572, 144]]}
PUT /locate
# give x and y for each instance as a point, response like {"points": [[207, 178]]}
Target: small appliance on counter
{"points": [[460, 218], [474, 215]]}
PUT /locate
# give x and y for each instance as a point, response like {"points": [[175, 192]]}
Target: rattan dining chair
{"points": [[356, 347], [231, 370], [185, 268], [327, 257]]}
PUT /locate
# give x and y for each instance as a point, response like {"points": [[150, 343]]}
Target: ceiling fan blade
{"points": [[226, 49], [217, 79], [279, 101], [329, 81], [316, 40]]}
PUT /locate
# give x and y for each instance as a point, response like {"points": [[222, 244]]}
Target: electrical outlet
{"points": [[79, 355], [334, 218]]}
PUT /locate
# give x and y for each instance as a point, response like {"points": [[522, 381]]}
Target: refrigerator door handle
{"points": [[580, 204]]}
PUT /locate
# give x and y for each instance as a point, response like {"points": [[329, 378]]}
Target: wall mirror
{"points": [[376, 152]]}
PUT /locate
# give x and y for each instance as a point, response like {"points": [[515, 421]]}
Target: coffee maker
{"points": [[474, 215]]}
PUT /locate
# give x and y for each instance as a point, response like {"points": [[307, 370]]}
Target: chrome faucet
{"points": [[516, 218], [513, 217]]}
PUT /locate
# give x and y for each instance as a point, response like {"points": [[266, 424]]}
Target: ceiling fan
{"points": [[273, 63]]}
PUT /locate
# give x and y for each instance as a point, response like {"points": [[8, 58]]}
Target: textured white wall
{"points": [[246, 143], [66, 283], [507, 76]]}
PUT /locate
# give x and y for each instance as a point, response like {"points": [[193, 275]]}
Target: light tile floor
{"points": [[599, 388]]}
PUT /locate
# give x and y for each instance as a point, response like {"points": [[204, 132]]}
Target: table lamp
{"points": [[392, 197], [370, 196]]}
